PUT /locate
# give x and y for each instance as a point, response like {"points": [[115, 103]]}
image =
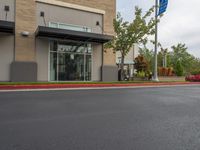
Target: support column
{"points": [[25, 26]]}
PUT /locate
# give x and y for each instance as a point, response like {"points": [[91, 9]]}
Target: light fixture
{"points": [[25, 33], [6, 9], [100, 26], [42, 14], [97, 23]]}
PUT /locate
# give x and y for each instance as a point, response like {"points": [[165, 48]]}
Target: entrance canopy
{"points": [[7, 27], [49, 32]]}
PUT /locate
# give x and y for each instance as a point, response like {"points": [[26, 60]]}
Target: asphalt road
{"points": [[114, 119]]}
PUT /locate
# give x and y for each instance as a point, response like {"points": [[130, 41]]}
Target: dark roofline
{"points": [[49, 32], [7, 26]]}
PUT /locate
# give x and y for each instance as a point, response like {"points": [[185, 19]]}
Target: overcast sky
{"points": [[181, 22]]}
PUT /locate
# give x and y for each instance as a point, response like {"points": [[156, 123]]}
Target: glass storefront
{"points": [[70, 61]]}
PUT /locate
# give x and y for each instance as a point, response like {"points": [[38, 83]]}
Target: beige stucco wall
{"points": [[42, 57], [11, 13], [136, 51], [6, 56], [97, 62], [108, 5], [128, 58], [68, 16], [132, 54], [6, 41]]}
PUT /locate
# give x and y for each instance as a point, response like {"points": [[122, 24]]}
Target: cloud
{"points": [[180, 23]]}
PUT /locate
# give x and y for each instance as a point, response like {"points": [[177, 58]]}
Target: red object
{"points": [[60, 86], [193, 78]]}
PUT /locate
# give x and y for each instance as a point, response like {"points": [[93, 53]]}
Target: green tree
{"points": [[187, 61], [131, 33], [179, 54], [179, 68], [194, 67]]}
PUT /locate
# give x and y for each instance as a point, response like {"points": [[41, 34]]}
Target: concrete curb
{"points": [[97, 88], [90, 86]]}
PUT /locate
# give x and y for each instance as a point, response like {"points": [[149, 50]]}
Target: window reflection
{"points": [[69, 27]]}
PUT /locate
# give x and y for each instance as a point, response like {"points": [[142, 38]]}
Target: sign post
{"points": [[155, 74], [162, 8]]}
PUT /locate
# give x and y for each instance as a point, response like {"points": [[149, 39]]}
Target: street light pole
{"points": [[155, 75]]}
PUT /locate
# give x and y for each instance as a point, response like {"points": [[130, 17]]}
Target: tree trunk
{"points": [[165, 60], [122, 68]]}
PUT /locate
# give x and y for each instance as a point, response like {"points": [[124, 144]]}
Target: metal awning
{"points": [[7, 27], [48, 32]]}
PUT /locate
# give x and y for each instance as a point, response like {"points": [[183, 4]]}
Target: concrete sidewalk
{"points": [[104, 85]]}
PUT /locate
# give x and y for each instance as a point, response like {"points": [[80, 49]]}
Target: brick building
{"points": [[56, 40]]}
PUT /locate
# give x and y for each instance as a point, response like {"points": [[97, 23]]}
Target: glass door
{"points": [[53, 66], [71, 67], [70, 62]]}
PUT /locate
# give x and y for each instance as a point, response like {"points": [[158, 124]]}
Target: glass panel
{"points": [[71, 67], [71, 47], [70, 61], [64, 48], [88, 49], [53, 25], [53, 46], [88, 68], [53, 66], [69, 27], [88, 30]]}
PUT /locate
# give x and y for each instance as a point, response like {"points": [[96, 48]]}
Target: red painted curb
{"points": [[52, 86]]}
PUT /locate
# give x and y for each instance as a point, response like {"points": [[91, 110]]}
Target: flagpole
{"points": [[155, 75]]}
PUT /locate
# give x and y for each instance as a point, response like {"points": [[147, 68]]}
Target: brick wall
{"points": [[26, 21]]}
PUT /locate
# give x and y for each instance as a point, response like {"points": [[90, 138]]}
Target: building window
{"points": [[69, 27], [70, 61], [53, 25]]}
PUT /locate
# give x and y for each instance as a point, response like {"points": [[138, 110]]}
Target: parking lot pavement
{"points": [[113, 119]]}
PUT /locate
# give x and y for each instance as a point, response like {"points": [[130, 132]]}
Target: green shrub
{"points": [[141, 74], [196, 72]]}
